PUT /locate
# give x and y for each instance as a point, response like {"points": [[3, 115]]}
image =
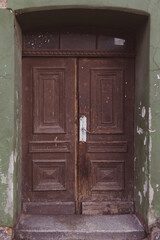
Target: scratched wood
{"points": [[48, 134], [92, 177], [106, 98]]}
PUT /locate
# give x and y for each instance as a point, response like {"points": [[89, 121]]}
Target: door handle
{"points": [[83, 129]]}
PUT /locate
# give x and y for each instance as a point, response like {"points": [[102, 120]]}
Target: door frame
{"points": [[78, 54], [142, 47]]}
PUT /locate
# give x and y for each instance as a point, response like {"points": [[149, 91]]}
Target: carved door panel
{"points": [[105, 159], [48, 135], [106, 99]]}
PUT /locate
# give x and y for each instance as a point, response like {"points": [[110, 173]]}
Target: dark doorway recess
{"points": [[78, 121], [110, 19]]}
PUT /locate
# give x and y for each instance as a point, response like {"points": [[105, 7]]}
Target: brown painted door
{"points": [[49, 135], [106, 99], [58, 179]]}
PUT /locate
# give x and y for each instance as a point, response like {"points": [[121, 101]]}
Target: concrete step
{"points": [[79, 227]]}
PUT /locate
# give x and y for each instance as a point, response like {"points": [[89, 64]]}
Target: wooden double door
{"points": [[78, 135]]}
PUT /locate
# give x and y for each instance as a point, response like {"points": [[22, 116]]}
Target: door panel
{"points": [[49, 134], [106, 88], [106, 100]]}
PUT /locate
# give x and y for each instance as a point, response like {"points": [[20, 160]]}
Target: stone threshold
{"points": [[79, 227]]}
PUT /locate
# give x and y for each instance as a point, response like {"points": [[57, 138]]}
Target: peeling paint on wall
{"points": [[151, 193], [3, 178], [150, 118], [151, 215], [140, 196], [150, 121], [156, 86], [150, 138], [143, 113], [139, 130], [145, 188], [3, 3], [150, 148], [9, 202], [157, 187]]}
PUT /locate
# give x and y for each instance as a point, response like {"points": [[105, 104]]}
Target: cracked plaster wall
{"points": [[141, 122], [147, 134], [10, 102], [154, 115], [6, 117]]}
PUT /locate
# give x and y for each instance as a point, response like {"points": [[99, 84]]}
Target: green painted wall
{"points": [[17, 119], [7, 155], [154, 122], [29, 5], [10, 118], [147, 106], [141, 121]]}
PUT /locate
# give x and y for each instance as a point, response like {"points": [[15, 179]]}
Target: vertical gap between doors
{"points": [[77, 206]]}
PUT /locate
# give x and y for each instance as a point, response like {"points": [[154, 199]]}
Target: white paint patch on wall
{"points": [[9, 202], [150, 148], [139, 130], [15, 156], [151, 215], [150, 138], [3, 178], [143, 113], [150, 121], [150, 118], [145, 188], [140, 196], [157, 187], [151, 193]]}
